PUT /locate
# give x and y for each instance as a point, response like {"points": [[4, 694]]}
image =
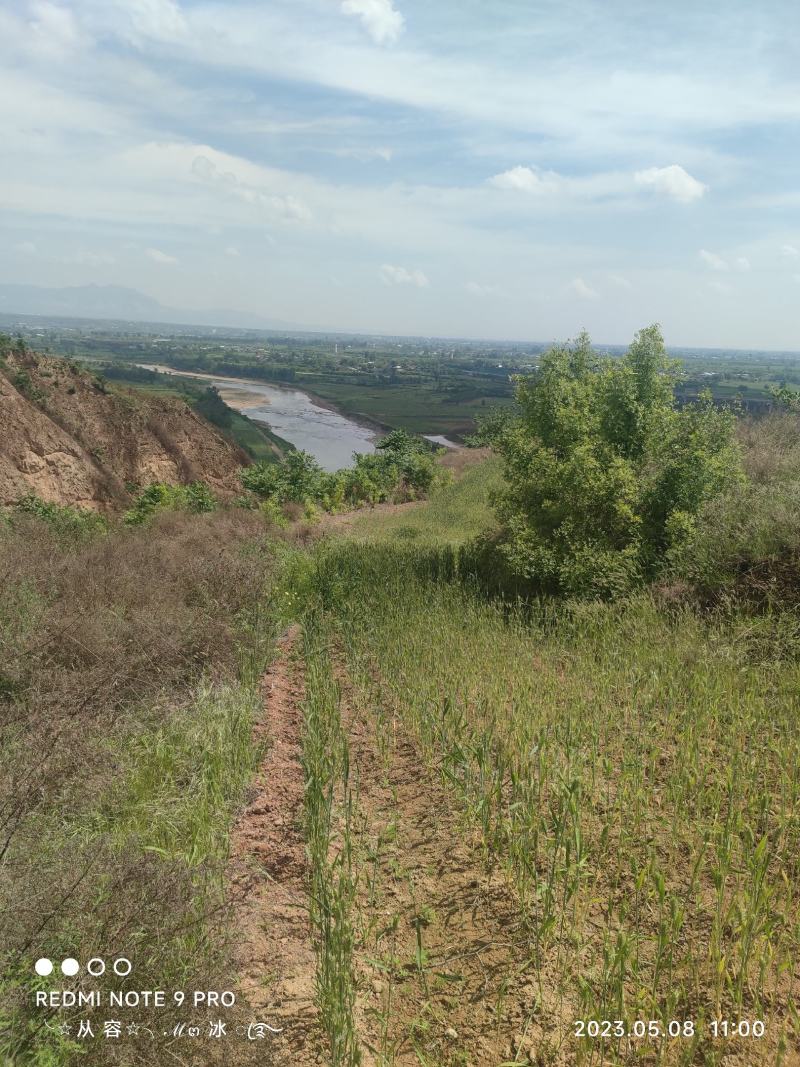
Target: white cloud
{"points": [[158, 256], [379, 18], [579, 287], [620, 281], [719, 286], [711, 259], [482, 290], [53, 28], [159, 20], [232, 251], [401, 276], [673, 182], [364, 155], [246, 186], [717, 262], [28, 248], [790, 252], [526, 180]]}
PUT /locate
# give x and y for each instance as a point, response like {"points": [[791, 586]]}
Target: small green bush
{"points": [[744, 543], [72, 523], [196, 497]]}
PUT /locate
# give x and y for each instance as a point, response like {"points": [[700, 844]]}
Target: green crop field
{"points": [[418, 410]]}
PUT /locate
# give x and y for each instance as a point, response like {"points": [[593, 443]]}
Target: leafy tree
{"points": [[490, 427], [604, 474], [400, 443]]}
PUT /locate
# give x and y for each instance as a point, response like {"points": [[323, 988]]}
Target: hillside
{"points": [[71, 440], [414, 812]]}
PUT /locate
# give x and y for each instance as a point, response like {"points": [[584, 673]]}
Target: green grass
{"points": [[454, 513], [258, 441], [130, 661], [328, 811], [634, 771], [179, 783]]}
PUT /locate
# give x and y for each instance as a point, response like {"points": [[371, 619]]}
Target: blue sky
{"points": [[487, 168]]}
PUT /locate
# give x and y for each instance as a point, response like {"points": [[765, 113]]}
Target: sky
{"points": [[512, 169]]}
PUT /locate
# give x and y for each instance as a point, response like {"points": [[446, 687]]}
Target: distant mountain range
{"points": [[115, 302]]}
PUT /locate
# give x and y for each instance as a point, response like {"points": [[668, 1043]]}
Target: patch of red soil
{"points": [[268, 876]]}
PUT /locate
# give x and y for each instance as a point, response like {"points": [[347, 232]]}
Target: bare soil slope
{"points": [[72, 441]]}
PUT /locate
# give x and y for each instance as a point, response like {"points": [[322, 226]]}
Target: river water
{"points": [[331, 438]]}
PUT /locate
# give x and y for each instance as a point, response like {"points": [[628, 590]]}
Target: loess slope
{"points": [[71, 440]]}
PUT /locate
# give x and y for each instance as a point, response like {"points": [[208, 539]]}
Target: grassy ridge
{"points": [[257, 440], [328, 810]]}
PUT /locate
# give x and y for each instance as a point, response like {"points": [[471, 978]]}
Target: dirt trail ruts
{"points": [[444, 973], [268, 877]]}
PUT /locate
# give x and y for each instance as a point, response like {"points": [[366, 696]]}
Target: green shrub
{"points": [[196, 497], [71, 523], [744, 543], [401, 468], [604, 473], [490, 427]]}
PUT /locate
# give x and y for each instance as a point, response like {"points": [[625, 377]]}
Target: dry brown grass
{"points": [[771, 446], [101, 643]]}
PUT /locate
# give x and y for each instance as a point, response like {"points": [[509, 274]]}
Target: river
{"points": [[330, 437]]}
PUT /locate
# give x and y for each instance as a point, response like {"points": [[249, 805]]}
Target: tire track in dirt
{"points": [[443, 964], [268, 875]]}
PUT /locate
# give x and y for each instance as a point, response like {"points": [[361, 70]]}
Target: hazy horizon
{"points": [[399, 168], [200, 327]]}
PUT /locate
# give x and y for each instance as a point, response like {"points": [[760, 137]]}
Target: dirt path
{"points": [[443, 968], [268, 877]]}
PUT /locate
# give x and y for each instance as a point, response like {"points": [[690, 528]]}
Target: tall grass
{"points": [[184, 777], [329, 804], [637, 773]]}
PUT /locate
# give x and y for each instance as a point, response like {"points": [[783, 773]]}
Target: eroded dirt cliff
{"points": [[72, 439]]}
